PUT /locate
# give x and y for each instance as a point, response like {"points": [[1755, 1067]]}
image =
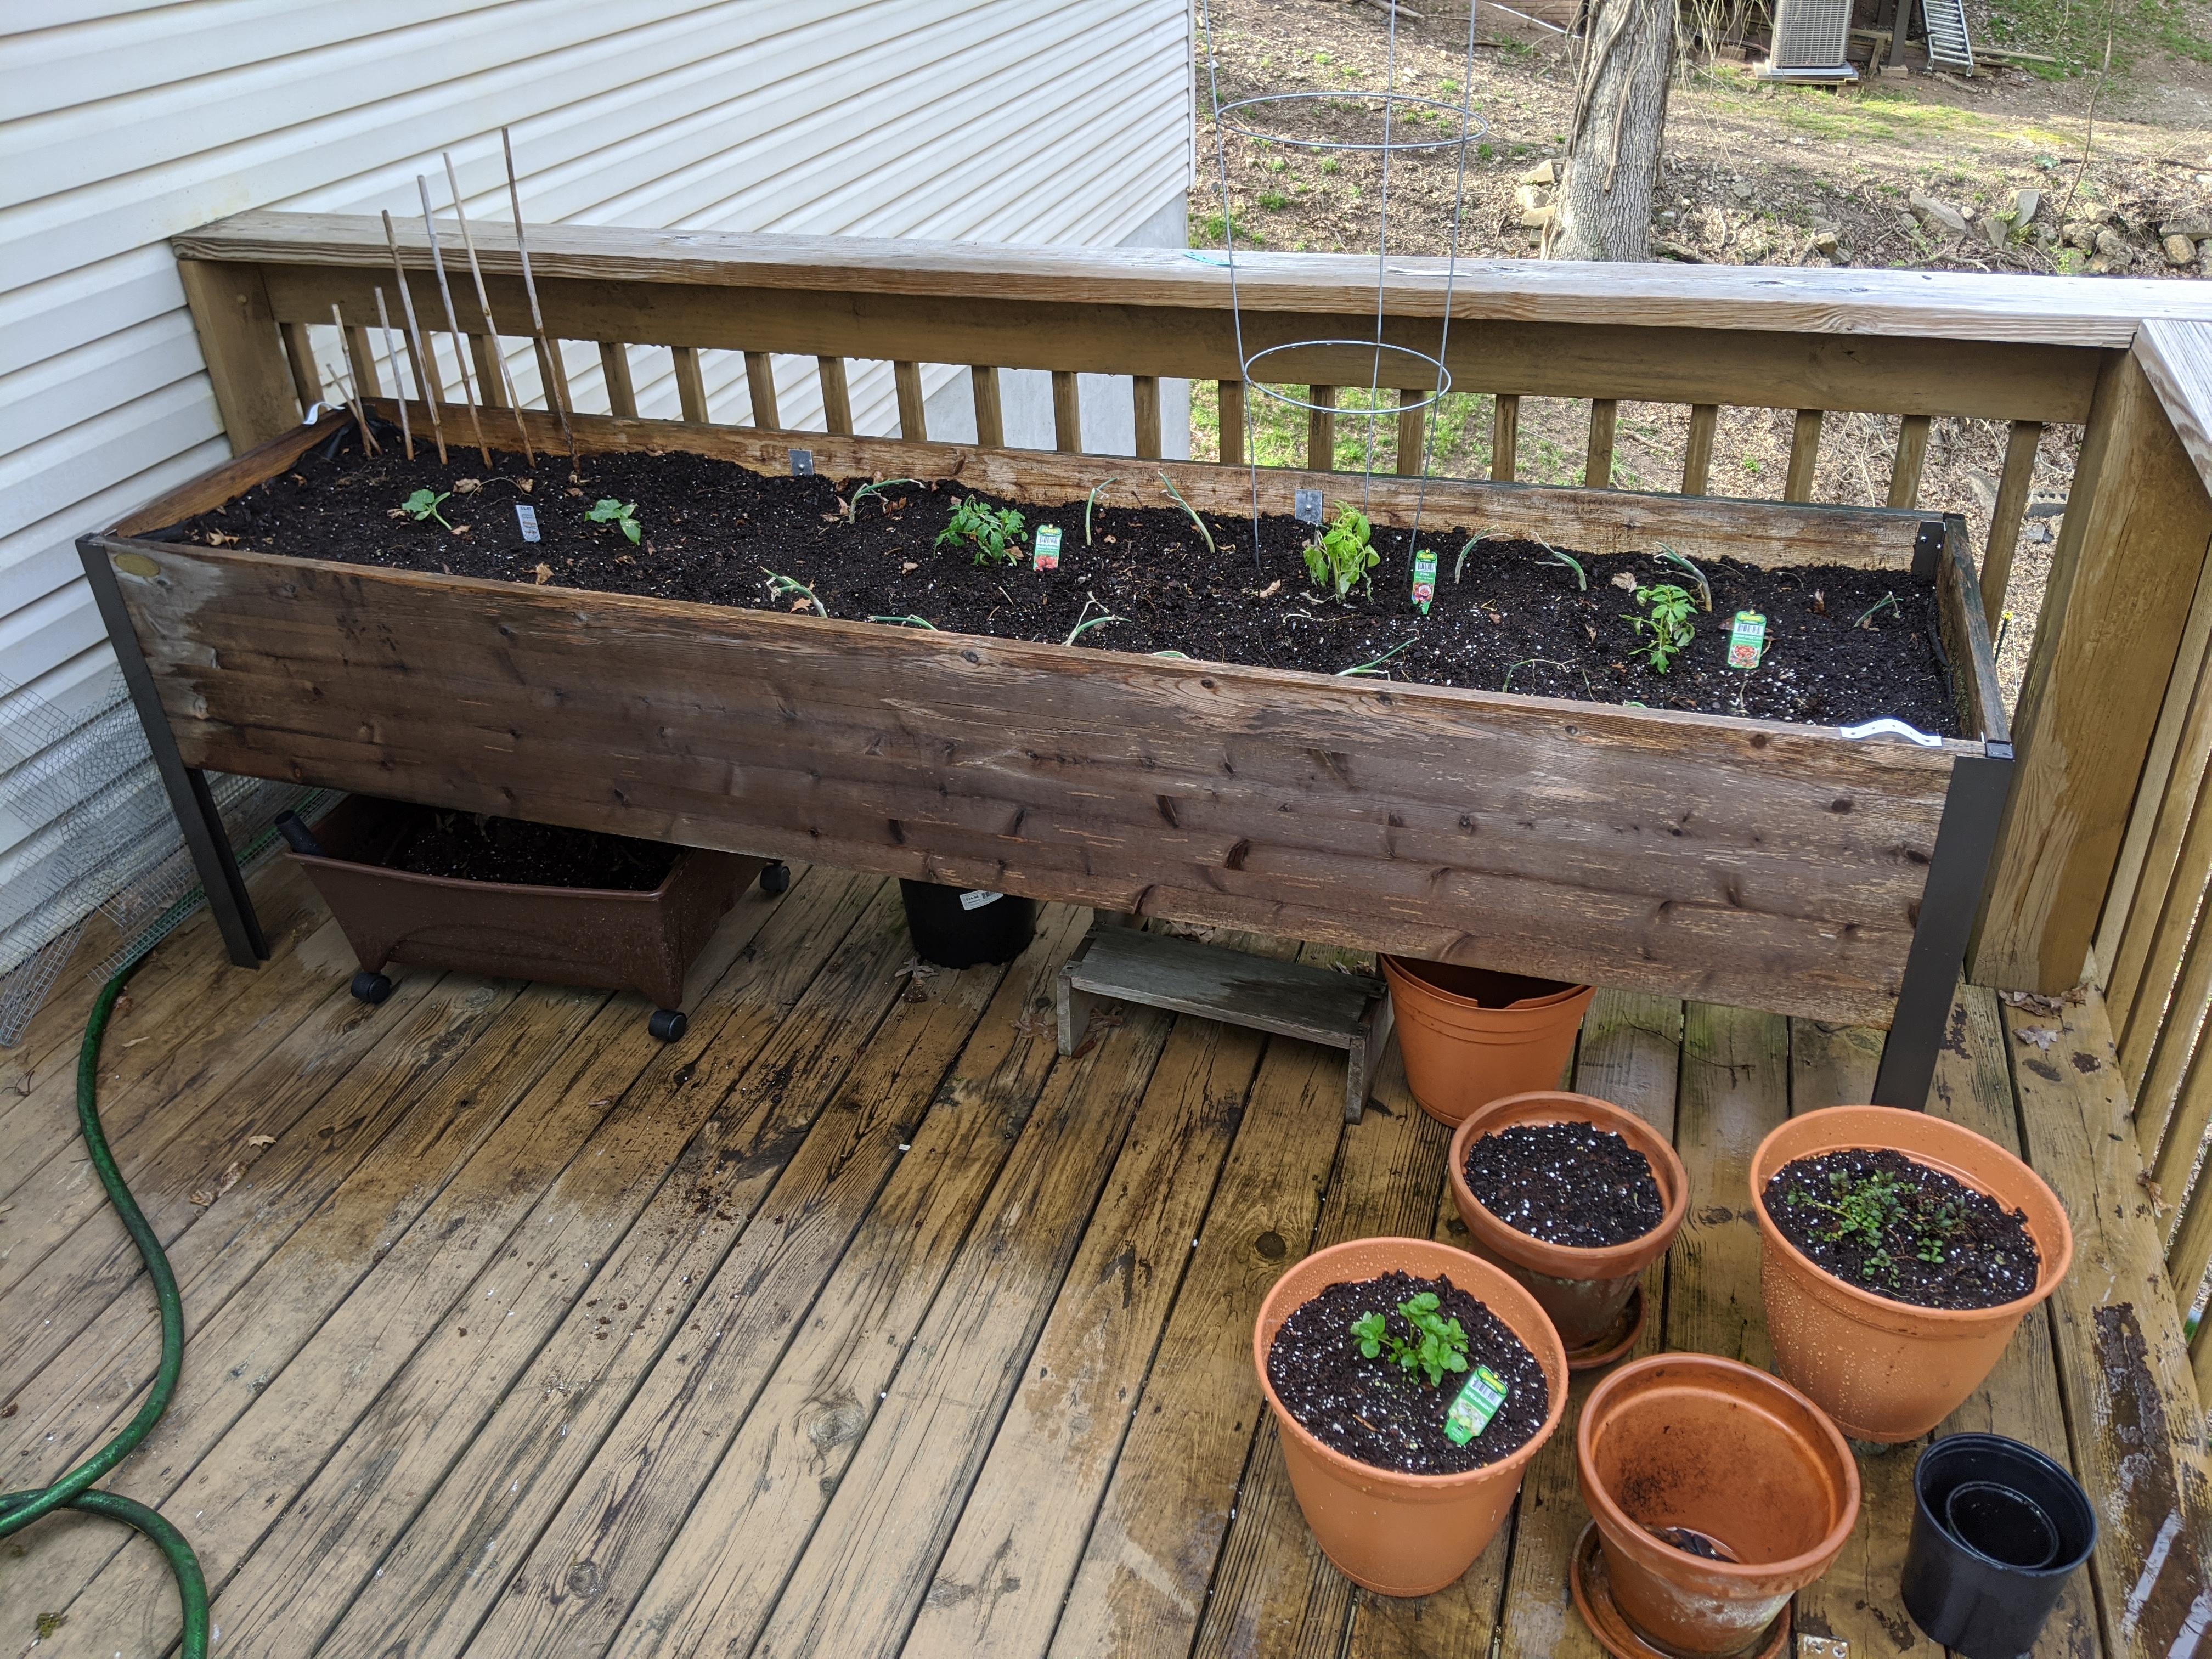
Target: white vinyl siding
{"points": [[992, 120]]}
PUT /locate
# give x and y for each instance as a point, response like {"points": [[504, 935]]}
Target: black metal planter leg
{"points": [[189, 795], [1966, 840]]}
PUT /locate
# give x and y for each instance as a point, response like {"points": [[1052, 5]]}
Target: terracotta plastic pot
{"points": [[1404, 1534], [1470, 1036], [1887, 1371], [1739, 1457], [1584, 1291]]}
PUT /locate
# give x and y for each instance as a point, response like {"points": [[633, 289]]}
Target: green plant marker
{"points": [[1044, 549], [1424, 579], [1478, 1402], [1746, 640]]}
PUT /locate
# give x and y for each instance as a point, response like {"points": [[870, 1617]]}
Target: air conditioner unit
{"points": [[1809, 37]]}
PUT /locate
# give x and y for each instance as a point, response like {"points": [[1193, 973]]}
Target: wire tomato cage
{"points": [[1387, 123]]}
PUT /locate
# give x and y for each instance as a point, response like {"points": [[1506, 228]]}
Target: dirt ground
{"points": [[1752, 174]]}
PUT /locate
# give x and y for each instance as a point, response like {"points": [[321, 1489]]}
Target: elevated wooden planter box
{"points": [[1745, 861]]}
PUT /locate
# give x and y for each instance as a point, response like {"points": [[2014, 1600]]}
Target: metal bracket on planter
{"points": [[1928, 549], [1306, 504], [1966, 841], [802, 463], [1895, 728]]}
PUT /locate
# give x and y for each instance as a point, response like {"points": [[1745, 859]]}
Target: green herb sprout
{"points": [[1459, 565], [1438, 1344], [424, 505], [613, 512], [1084, 622], [780, 587], [996, 534], [1193, 511], [1705, 587], [1339, 557], [853, 507], [1887, 602], [1092, 502], [1373, 664], [1666, 623], [908, 621], [1570, 562], [1871, 1208]]}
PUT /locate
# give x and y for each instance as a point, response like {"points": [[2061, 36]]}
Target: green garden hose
{"points": [[74, 1490]]}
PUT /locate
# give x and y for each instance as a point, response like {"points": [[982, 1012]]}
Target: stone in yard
{"points": [[1942, 212], [1544, 173], [2180, 251], [1824, 244], [2083, 235], [2113, 247], [1995, 228], [2195, 225], [1743, 189], [1528, 195], [2021, 205]]}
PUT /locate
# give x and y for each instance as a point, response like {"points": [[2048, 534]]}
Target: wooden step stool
{"points": [[1315, 1004]]}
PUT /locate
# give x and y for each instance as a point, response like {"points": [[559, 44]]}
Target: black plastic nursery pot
{"points": [[1997, 1529], [961, 927]]}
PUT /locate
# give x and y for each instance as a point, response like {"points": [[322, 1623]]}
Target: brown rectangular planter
{"points": [[616, 940], [1752, 862]]}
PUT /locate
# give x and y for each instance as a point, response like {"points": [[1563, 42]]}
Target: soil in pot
{"points": [[475, 847], [1373, 1408], [1844, 645], [1565, 1183], [1891, 1226]]}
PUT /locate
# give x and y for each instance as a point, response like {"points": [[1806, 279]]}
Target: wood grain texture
{"points": [[1505, 438], [1066, 413], [2132, 1411], [2013, 485], [1804, 456], [1413, 426], [913, 416], [2126, 566], [1144, 395], [1446, 824], [1597, 457], [1735, 1088], [2176, 357], [1321, 429], [690, 387], [614, 368], [245, 355], [1697, 453], [990, 415], [836, 395], [1231, 423], [1966, 635], [760, 387], [300, 358], [1910, 458]]}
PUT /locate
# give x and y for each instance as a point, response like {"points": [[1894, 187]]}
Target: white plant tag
{"points": [[978, 900], [526, 516]]}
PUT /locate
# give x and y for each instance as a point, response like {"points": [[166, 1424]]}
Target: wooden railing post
{"points": [[914, 420], [1413, 432], [1321, 429], [1230, 410], [2134, 538], [1911, 457], [990, 414], [1504, 437], [1804, 456], [836, 396], [1146, 397], [1698, 458], [2005, 515], [1597, 457], [614, 368], [760, 387], [245, 354], [1066, 413], [690, 386]]}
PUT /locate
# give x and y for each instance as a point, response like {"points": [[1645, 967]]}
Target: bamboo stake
{"points": [[415, 339], [484, 303], [453, 322], [406, 429], [352, 402], [530, 287]]}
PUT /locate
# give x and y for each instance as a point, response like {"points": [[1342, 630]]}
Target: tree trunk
{"points": [[1604, 208]]}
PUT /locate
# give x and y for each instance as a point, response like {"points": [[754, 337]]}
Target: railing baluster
{"points": [[1231, 406], [614, 367], [1144, 395], [1804, 456], [760, 386], [299, 355], [1697, 460], [362, 358], [491, 385], [1912, 456], [1066, 413], [1504, 437], [836, 396], [553, 375], [913, 424], [990, 413], [1321, 429], [2005, 515], [690, 389], [1413, 427], [1597, 462]]}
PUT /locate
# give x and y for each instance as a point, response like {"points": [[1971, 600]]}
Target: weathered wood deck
{"points": [[860, 1322]]}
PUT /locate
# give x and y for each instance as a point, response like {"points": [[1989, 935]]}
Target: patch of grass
{"points": [[2075, 33], [1274, 201]]}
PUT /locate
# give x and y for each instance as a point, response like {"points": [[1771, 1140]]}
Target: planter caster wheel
{"points": [[669, 1024], [775, 878], [370, 988]]}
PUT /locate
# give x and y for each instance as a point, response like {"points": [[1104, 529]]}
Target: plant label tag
{"points": [[1044, 554], [977, 901], [1307, 505], [1477, 1404], [1746, 640], [802, 463], [526, 516], [1424, 578]]}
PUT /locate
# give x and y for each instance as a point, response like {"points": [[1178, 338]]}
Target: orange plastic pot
{"points": [[1583, 1291], [1404, 1534], [1887, 1371], [1689, 1440], [1470, 1036]]}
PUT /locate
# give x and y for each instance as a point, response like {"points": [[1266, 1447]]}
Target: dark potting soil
{"points": [[472, 847], [1565, 1183], [1877, 1219], [1381, 1413], [1845, 646]]}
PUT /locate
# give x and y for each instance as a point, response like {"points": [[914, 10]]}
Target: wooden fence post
{"points": [[245, 351], [2127, 560]]}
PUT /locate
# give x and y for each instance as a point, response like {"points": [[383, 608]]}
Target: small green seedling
{"points": [[423, 504], [621, 514], [995, 533], [1092, 502], [1193, 511], [1340, 556], [1887, 602], [1666, 623], [1459, 565], [1869, 1208], [1570, 562], [1373, 664], [782, 587], [1705, 587], [1084, 622], [908, 621], [1438, 1344], [853, 507]]}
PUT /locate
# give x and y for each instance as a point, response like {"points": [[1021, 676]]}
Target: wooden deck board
{"points": [[979, 1375]]}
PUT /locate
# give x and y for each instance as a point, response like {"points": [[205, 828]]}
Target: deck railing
{"points": [[2109, 817]]}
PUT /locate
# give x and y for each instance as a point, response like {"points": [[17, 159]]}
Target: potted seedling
{"points": [[1716, 1493], [1411, 1384], [621, 514], [995, 534], [1575, 1197], [1663, 628], [1469, 1036], [1899, 1252]]}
